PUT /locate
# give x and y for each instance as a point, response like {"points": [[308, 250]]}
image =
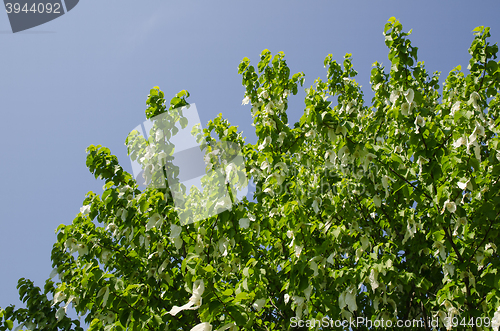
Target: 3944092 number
{"points": [[39, 8]]}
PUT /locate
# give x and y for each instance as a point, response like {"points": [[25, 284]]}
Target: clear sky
{"points": [[83, 79]]}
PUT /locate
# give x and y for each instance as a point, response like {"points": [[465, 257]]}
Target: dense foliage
{"points": [[384, 212]]}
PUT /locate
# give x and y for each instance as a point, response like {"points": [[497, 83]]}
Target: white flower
{"points": [[105, 255], [373, 279], [450, 206], [461, 221], [83, 249], [258, 304], [405, 109], [452, 311], [367, 159], [419, 122], [385, 181], [230, 171], [420, 161], [175, 231], [459, 142], [194, 302], [479, 130], [223, 246], [307, 292], [281, 137], [409, 95], [60, 313], [466, 185], [269, 108], [246, 100], [495, 322], [449, 269], [224, 203], [316, 203], [154, 221], [124, 214], [266, 142], [205, 326], [229, 326], [350, 298], [85, 210], [268, 191], [491, 246], [299, 301], [264, 94], [314, 268], [454, 108], [311, 133], [286, 298], [159, 135], [244, 223], [398, 149], [58, 297], [162, 157], [474, 98], [178, 243], [440, 250], [394, 96], [53, 273], [289, 234], [331, 135], [298, 250]]}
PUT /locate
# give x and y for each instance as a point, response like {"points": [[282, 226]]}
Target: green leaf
{"points": [[241, 296]]}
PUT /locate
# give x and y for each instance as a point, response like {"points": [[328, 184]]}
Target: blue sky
{"points": [[83, 79]]}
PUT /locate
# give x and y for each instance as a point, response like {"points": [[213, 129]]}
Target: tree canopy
{"points": [[372, 213]]}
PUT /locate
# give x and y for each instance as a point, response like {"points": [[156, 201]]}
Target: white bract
{"points": [[265, 143], [373, 279], [258, 304], [420, 161], [405, 109], [495, 321], [394, 96], [409, 94], [300, 305], [316, 203], [246, 100], [455, 108], [195, 300], [459, 142], [85, 210], [419, 123], [348, 298], [466, 185], [154, 221], [450, 206], [205, 326], [244, 223], [474, 98]]}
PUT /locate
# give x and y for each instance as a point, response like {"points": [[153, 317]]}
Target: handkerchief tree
{"points": [[388, 211]]}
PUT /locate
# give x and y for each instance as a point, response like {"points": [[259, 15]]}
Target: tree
{"points": [[361, 214]]}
